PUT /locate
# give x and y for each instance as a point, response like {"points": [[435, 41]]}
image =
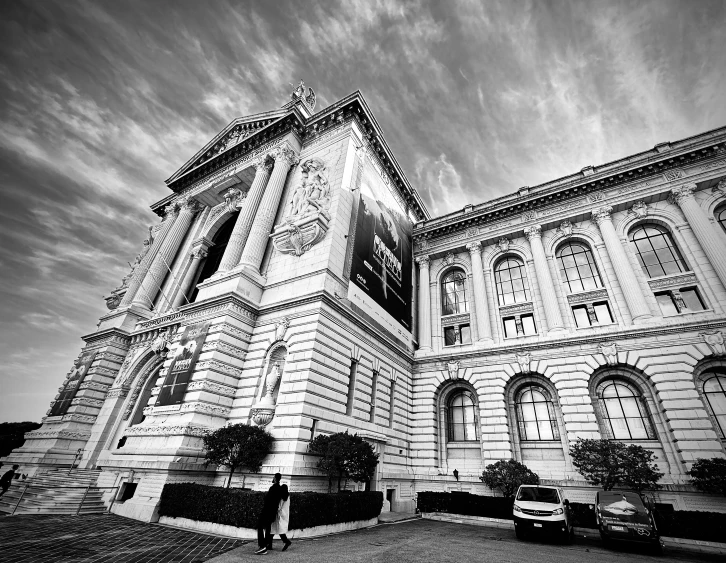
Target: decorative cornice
{"points": [[449, 320], [212, 387], [672, 281], [588, 296], [57, 434], [163, 430], [514, 309]]}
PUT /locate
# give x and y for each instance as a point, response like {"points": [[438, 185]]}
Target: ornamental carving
{"points": [[595, 197], [519, 308], [565, 229], [281, 327], [529, 216], [715, 342], [610, 351], [602, 214], [160, 344], [264, 410], [503, 245], [161, 430], [720, 189], [449, 258], [308, 214], [588, 296], [474, 247], [423, 261], [212, 387], [639, 209], [472, 231], [453, 369], [674, 174], [524, 361], [679, 194], [672, 281], [233, 199], [535, 231], [299, 94]]}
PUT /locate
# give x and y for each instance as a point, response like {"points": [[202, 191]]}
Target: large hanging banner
{"points": [[381, 269], [80, 369], [182, 365]]}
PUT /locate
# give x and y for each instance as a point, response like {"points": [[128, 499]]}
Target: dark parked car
{"points": [[622, 516]]}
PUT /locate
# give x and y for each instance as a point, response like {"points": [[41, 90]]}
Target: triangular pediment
{"points": [[234, 133]]}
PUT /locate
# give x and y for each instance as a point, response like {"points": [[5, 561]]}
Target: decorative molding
{"points": [[423, 261], [212, 387], [297, 236], [281, 327], [222, 346], [681, 193], [221, 367], [117, 392], [602, 214], [715, 342], [514, 309], [610, 351], [533, 232], [524, 360], [56, 434], [672, 281], [596, 197], [83, 418], [449, 320], [87, 402], [170, 430], [528, 216], [93, 386], [503, 245], [587, 296], [474, 247], [449, 258], [674, 174]]}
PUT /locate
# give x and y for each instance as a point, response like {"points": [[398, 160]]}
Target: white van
{"points": [[539, 508]]}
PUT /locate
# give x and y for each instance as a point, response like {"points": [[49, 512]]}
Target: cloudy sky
{"points": [[101, 101]]}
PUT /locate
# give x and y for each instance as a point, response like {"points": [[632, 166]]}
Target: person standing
{"points": [[268, 515], [7, 478], [279, 526]]}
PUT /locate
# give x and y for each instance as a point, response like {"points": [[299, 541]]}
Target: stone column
{"points": [[544, 279], [162, 261], [196, 256], [170, 214], [254, 249], [242, 226], [424, 304], [629, 285], [701, 226], [483, 325]]}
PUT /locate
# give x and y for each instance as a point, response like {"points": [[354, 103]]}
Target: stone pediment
{"points": [[240, 129]]}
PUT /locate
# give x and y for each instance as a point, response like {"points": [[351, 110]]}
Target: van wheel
{"points": [[519, 533], [568, 535]]}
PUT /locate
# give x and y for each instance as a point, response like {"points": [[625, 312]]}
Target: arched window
{"points": [[577, 267], [714, 389], [623, 411], [656, 251], [536, 415], [461, 417], [721, 218], [511, 280], [453, 293]]}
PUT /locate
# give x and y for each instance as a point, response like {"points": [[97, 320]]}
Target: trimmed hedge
{"points": [[235, 507], [465, 503], [692, 525]]}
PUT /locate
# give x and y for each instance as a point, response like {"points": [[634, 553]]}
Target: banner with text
{"points": [[80, 369], [182, 365], [381, 267]]}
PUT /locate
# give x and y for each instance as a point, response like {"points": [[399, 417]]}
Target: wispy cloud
{"points": [[103, 101]]}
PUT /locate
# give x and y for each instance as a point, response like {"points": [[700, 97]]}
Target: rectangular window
{"points": [[510, 327], [581, 317], [449, 336], [351, 387], [465, 331], [602, 313], [374, 384], [691, 299], [666, 303], [528, 325]]}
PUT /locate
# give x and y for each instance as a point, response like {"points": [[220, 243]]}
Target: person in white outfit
{"points": [[279, 526]]}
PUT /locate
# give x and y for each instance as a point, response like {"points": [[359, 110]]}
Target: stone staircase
{"points": [[54, 491]]}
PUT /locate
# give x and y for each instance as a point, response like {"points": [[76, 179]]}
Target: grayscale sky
{"points": [[101, 101]]}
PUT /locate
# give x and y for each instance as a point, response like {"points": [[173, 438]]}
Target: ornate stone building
{"points": [[296, 281]]}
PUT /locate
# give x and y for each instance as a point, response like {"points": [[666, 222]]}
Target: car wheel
{"points": [[519, 533], [606, 543]]}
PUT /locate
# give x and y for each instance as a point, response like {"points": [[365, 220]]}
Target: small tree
{"points": [[610, 464], [507, 476], [238, 445], [344, 455], [709, 475]]}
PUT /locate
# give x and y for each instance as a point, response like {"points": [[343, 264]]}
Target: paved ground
{"points": [[102, 538], [444, 542]]}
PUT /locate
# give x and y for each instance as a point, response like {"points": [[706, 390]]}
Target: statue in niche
{"points": [[312, 194]]}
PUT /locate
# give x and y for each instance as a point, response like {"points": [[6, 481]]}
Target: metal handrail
{"points": [[80, 505]]}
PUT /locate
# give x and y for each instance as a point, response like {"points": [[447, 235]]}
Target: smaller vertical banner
{"points": [[80, 369], [182, 365]]}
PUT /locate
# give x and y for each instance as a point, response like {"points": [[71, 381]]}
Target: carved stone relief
{"points": [[715, 341], [453, 369], [524, 362], [610, 351]]}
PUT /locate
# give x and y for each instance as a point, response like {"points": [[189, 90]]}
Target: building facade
{"points": [[296, 281]]}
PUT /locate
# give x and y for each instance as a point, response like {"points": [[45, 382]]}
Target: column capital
{"points": [[263, 163], [285, 154], [474, 247], [602, 214], [199, 252], [533, 232], [683, 192], [189, 204], [170, 211], [423, 261]]}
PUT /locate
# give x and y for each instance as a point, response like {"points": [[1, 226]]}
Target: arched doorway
{"points": [[209, 265]]}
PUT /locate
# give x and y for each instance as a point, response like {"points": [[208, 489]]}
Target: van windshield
{"points": [[538, 494]]}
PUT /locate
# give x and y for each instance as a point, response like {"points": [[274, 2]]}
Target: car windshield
{"points": [[539, 494]]}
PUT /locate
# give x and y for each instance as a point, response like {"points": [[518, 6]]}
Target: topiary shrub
{"points": [[507, 476], [233, 507]]}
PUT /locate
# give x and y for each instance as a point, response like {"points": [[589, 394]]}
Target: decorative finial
{"points": [[299, 94]]}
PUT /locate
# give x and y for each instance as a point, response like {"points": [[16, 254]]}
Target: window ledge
{"points": [[462, 445], [460, 345], [605, 326], [677, 315]]}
